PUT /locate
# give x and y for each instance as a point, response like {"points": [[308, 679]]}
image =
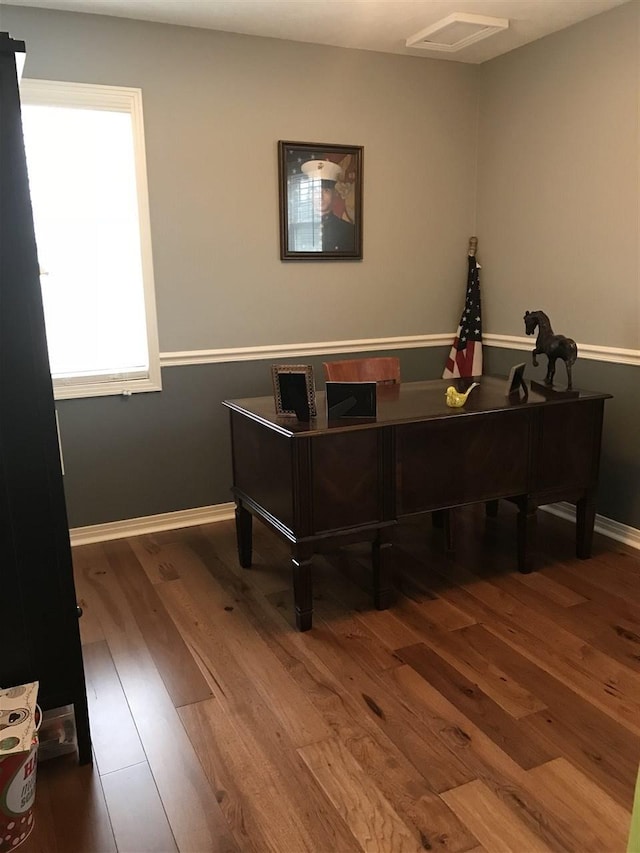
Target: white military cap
{"points": [[323, 170]]}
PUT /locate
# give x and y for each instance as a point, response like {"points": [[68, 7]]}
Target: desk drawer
{"points": [[461, 460], [568, 450], [347, 481]]}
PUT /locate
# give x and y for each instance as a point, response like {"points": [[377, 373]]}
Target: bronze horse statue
{"points": [[553, 346]]}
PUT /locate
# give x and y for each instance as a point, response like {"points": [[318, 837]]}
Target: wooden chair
{"points": [[385, 371]]}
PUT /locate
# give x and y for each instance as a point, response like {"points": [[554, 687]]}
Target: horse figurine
{"points": [[553, 346]]}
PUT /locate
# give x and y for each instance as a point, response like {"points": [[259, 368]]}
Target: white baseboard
{"points": [[151, 524], [224, 512], [606, 526]]}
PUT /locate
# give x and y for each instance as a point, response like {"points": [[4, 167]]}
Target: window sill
{"points": [[68, 391]]}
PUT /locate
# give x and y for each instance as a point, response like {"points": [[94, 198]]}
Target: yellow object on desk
{"points": [[455, 399]]}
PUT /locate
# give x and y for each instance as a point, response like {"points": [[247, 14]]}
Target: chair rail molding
{"points": [[275, 352], [616, 355]]}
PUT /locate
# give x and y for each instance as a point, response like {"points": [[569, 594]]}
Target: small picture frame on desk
{"points": [[351, 400], [294, 391], [516, 380]]}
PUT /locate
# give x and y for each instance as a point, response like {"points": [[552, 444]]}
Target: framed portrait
{"points": [[294, 391], [320, 201]]}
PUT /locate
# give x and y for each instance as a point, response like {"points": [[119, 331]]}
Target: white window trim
{"points": [[129, 100]]}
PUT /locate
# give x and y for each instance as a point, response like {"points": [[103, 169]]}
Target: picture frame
{"points": [[294, 390], [351, 400], [320, 193], [515, 380]]}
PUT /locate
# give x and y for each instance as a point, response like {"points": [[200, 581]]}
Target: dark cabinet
{"points": [[38, 612]]}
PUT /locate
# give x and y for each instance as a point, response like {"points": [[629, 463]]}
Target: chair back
{"points": [[381, 370]]}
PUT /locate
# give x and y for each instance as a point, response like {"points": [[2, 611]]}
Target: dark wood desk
{"points": [[352, 480]]}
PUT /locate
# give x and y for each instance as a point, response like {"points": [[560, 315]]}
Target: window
{"points": [[87, 175], [304, 220]]}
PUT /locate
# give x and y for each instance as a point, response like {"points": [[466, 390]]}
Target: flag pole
{"points": [[473, 246]]}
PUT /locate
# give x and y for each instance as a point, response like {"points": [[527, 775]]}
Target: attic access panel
{"points": [[456, 32]]}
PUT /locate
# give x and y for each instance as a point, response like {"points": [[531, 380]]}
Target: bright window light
{"points": [[91, 223]]}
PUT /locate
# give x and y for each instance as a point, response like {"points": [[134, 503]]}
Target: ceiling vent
{"points": [[456, 31]]}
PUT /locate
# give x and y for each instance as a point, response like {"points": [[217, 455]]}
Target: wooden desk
{"points": [[352, 480]]}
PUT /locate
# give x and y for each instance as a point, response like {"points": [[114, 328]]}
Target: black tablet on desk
{"points": [[351, 400]]}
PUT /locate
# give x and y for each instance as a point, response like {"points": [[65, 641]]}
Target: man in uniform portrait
{"points": [[337, 235]]}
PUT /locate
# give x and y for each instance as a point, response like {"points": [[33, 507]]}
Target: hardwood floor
{"points": [[485, 711]]}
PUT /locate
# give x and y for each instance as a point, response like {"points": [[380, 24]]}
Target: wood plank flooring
{"points": [[485, 711]]}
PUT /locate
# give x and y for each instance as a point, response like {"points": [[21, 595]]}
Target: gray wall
{"points": [[558, 194], [553, 128], [558, 216], [215, 106]]}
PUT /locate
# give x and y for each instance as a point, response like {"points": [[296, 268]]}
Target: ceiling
{"points": [[382, 25]]}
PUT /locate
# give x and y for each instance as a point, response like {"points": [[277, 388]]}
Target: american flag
{"points": [[465, 358]]}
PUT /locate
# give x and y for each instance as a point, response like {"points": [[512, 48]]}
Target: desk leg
{"points": [[301, 560], [449, 516], [585, 519], [491, 509], [244, 535], [443, 520], [527, 520], [381, 558]]}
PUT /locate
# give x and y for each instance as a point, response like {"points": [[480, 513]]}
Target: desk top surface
{"points": [[412, 402]]}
